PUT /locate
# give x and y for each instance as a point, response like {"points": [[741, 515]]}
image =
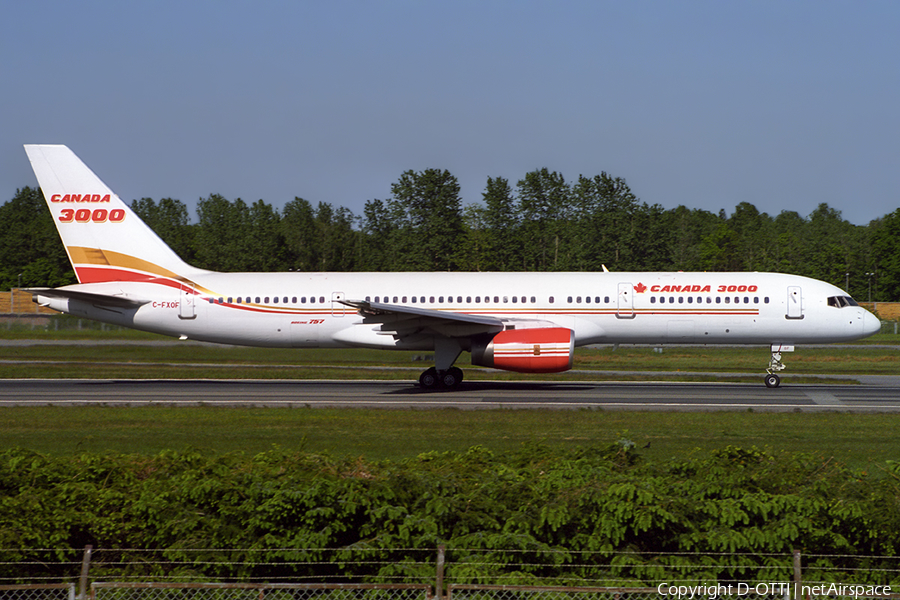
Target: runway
{"points": [[882, 395]]}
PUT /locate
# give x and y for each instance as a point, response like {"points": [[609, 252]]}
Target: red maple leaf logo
{"points": [[640, 288]]}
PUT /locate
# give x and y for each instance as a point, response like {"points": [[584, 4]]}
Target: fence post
{"points": [[85, 566], [798, 575], [439, 579]]}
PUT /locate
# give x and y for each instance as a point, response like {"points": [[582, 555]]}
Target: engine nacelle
{"points": [[540, 350]]}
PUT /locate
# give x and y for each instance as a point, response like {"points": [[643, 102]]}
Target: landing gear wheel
{"points": [[429, 378], [772, 380], [452, 377]]}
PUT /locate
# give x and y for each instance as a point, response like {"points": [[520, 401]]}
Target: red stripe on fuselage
{"points": [[113, 274]]}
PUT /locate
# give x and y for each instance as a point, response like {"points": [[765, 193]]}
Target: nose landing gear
{"points": [[772, 380]]}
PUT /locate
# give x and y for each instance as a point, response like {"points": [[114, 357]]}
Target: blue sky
{"points": [[707, 104]]}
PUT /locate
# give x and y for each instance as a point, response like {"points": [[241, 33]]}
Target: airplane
{"points": [[522, 322]]}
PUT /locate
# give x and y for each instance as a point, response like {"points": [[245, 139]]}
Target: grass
{"points": [[180, 361], [857, 439], [860, 440]]}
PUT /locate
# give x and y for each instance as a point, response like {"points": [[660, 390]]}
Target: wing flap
{"points": [[404, 321]]}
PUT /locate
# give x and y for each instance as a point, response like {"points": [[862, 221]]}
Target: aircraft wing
{"points": [[402, 321], [99, 300]]}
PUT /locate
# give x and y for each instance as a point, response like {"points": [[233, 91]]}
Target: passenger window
{"points": [[606, 299], [441, 299], [422, 299], [496, 300], [294, 300], [569, 300], [578, 299], [680, 299], [274, 300], [515, 300], [477, 299], [718, 300], [505, 299], [404, 299], [459, 299], [468, 299], [755, 299], [395, 299], [727, 299], [312, 299], [587, 299], [766, 300], [551, 299], [533, 299], [652, 299], [413, 299], [431, 299], [238, 299], [690, 299]]}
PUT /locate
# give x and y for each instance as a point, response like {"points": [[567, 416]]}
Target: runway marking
{"points": [[823, 398]]}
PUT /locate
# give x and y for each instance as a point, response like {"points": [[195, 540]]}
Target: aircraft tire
{"points": [[772, 380], [452, 377], [429, 378]]}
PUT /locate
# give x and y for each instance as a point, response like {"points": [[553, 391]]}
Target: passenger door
{"points": [[186, 308], [625, 302], [794, 302]]}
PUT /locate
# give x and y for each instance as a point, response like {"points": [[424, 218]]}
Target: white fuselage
{"points": [[306, 309]]}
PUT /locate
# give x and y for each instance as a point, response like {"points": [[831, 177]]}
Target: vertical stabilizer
{"points": [[103, 237]]}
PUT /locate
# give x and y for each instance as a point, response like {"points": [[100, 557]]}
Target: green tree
{"points": [[336, 239], [543, 213], [31, 252], [789, 231], [886, 253], [232, 236], [171, 222], [378, 232], [428, 209], [502, 246], [298, 230], [688, 228], [753, 238], [612, 227]]}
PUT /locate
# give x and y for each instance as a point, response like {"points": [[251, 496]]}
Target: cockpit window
{"points": [[841, 301]]}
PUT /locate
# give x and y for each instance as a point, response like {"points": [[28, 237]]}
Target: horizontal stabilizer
{"points": [[92, 298]]}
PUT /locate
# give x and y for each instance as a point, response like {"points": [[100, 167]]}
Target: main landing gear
{"points": [[448, 379], [443, 374], [772, 380]]}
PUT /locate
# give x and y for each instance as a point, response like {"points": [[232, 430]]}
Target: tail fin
{"points": [[103, 237]]}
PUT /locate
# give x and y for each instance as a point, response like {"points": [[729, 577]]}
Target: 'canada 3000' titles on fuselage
{"points": [[528, 322]]}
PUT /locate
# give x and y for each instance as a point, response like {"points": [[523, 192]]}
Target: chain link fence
{"points": [[423, 573], [237, 591], [59, 591]]}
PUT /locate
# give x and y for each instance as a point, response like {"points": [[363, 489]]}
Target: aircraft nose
{"points": [[871, 324]]}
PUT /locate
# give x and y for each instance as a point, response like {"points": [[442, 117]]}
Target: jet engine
{"points": [[540, 350]]}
